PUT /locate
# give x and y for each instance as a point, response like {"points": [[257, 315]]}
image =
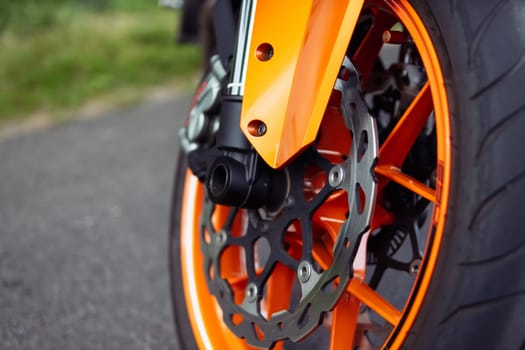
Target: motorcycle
{"points": [[351, 177]]}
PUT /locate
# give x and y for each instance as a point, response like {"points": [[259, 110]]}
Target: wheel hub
{"points": [[268, 241]]}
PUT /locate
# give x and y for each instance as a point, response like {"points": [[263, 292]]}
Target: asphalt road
{"points": [[84, 213]]}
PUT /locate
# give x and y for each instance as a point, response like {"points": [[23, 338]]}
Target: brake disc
{"points": [[246, 318]]}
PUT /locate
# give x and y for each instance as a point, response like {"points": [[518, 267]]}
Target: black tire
{"points": [[183, 332], [476, 299]]}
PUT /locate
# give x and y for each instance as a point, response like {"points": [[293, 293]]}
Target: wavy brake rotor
{"points": [[243, 298]]}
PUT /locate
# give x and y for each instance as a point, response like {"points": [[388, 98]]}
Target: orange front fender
{"points": [[289, 92]]}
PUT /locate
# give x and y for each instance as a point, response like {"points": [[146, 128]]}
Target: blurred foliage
{"points": [[30, 15], [60, 53]]}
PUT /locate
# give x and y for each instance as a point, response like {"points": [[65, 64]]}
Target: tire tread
{"points": [[477, 297], [482, 304], [496, 196]]}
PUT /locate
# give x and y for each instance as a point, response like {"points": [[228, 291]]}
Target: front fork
{"points": [[218, 152]]}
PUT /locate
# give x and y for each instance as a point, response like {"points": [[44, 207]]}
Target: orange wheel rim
{"points": [[204, 312]]}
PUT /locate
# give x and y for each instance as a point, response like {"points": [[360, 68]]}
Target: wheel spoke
{"points": [[395, 174], [374, 301], [332, 214], [323, 255], [241, 281], [365, 56], [382, 217], [396, 147], [359, 289], [359, 265], [344, 323], [279, 289], [279, 346]]}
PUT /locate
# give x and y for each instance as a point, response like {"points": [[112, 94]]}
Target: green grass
{"points": [[60, 56]]}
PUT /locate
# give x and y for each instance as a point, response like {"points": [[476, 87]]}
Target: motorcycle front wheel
{"points": [[442, 266]]}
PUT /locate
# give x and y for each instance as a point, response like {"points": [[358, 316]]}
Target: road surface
{"points": [[84, 213]]}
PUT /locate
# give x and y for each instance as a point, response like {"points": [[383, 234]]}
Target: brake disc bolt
{"points": [[251, 293], [221, 237], [336, 176], [304, 271], [414, 266]]}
